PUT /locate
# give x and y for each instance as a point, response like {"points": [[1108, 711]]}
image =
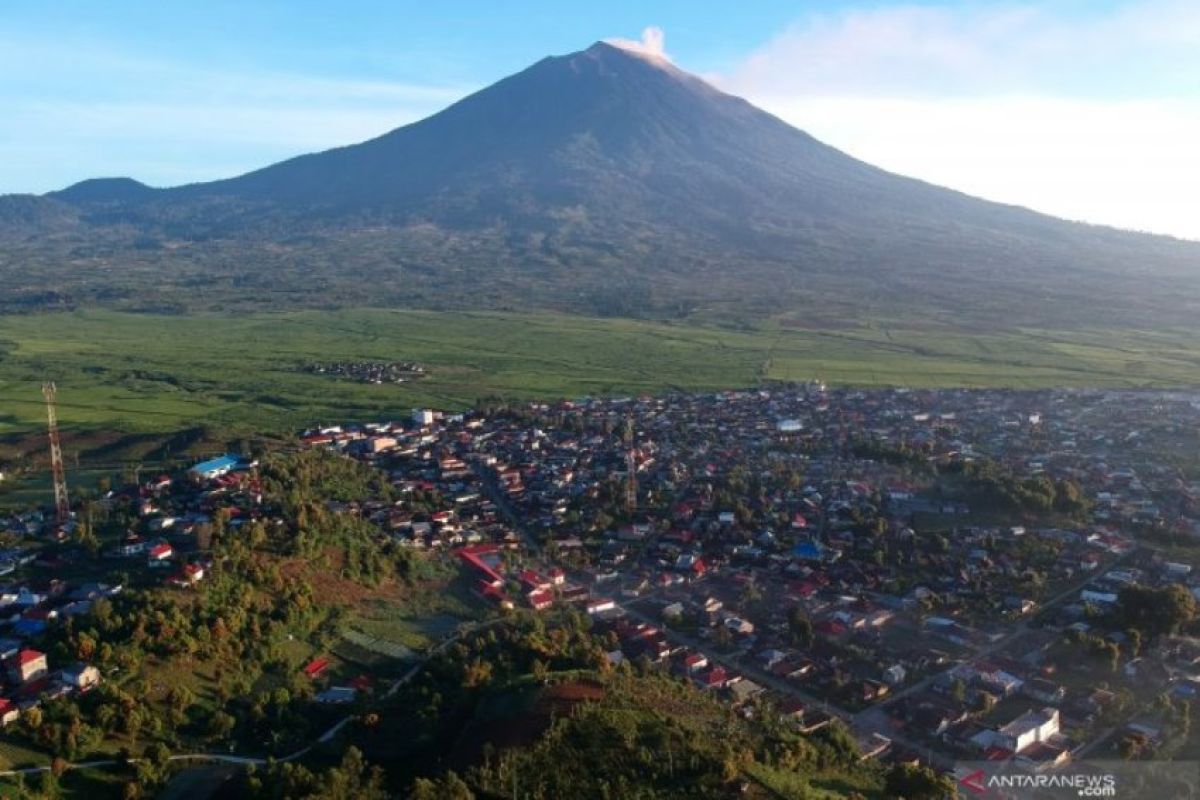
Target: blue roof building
{"points": [[26, 628], [215, 467], [815, 551]]}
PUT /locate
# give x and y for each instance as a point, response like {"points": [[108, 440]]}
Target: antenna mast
{"points": [[62, 508]]}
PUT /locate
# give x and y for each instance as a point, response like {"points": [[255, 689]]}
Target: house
{"points": [[557, 576], [792, 708], [316, 667], [214, 467], [1028, 729], [28, 627], [1100, 598], [337, 695], [533, 582], [715, 678], [541, 600], [160, 555], [9, 713], [132, 545], [27, 665], [694, 662], [598, 605], [894, 675], [81, 676]]}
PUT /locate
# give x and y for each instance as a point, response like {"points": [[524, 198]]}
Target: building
{"points": [[8, 712], [27, 665], [1029, 729], [81, 676], [214, 467], [598, 605], [378, 444], [337, 695], [160, 555]]}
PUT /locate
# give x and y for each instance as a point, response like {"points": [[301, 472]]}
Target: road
{"points": [[771, 681], [1017, 632], [876, 718]]}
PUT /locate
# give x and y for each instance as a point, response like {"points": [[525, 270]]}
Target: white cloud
{"points": [[1080, 114], [652, 44]]}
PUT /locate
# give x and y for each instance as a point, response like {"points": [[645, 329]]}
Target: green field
{"points": [[144, 373]]}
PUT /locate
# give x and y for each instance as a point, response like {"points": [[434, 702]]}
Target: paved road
{"points": [[1019, 631]]}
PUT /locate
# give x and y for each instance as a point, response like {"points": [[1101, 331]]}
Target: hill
{"points": [[599, 182]]}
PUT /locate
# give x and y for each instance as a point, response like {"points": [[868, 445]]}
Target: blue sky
{"points": [[1083, 109]]}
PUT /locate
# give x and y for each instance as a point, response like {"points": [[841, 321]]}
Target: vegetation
{"points": [[533, 708], [1151, 612], [992, 487], [217, 667], [352, 779], [146, 373]]}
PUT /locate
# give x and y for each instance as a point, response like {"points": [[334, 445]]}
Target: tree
{"points": [[221, 724], [448, 787], [1153, 612], [800, 627], [1134, 642], [916, 782], [722, 637], [985, 702]]}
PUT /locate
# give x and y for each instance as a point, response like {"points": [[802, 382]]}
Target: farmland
{"points": [[145, 373]]}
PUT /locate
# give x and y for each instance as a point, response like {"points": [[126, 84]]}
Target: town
{"points": [[955, 575], [943, 570]]}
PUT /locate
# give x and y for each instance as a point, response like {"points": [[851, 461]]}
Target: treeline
{"points": [[899, 454]]}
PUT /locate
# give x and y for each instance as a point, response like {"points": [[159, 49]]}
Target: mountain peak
{"points": [[650, 47], [606, 48]]}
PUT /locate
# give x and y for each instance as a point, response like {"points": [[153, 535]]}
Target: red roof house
{"points": [[314, 668]]}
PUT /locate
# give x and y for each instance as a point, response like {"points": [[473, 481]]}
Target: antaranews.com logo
{"points": [[1119, 779], [1085, 784]]}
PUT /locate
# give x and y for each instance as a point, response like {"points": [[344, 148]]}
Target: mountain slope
{"points": [[605, 181]]}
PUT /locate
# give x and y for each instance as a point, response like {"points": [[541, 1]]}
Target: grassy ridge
{"points": [[155, 373]]}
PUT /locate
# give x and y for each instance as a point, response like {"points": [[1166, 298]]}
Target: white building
{"points": [[1029, 729]]}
